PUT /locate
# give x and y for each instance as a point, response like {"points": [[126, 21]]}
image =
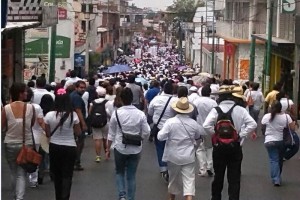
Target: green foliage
{"points": [[184, 9]]}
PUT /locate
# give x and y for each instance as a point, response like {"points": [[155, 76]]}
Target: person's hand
{"points": [[107, 154], [84, 128], [253, 136]]}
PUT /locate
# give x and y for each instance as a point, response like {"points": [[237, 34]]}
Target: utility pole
{"points": [[52, 51], [269, 46], [87, 9], [201, 43], [213, 42]]}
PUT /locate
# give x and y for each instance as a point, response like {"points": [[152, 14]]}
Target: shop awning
{"points": [[20, 25], [275, 40]]}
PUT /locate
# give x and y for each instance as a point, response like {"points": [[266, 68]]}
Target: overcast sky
{"points": [[161, 4]]}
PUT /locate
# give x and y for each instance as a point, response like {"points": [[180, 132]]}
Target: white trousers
{"points": [[204, 156], [181, 175]]}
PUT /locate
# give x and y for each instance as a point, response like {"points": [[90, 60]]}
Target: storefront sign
{"points": [[79, 60], [62, 14], [24, 10], [35, 33], [40, 47]]}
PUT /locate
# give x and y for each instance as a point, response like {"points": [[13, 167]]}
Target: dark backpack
{"points": [[225, 132], [98, 117]]}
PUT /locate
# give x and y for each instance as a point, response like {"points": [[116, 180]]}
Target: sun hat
{"points": [[44, 142], [101, 91], [239, 93], [182, 106], [226, 89]]}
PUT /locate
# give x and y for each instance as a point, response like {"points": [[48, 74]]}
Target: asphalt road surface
{"points": [[97, 181]]}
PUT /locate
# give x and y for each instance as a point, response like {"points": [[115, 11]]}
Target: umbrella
{"points": [[117, 69], [141, 80]]}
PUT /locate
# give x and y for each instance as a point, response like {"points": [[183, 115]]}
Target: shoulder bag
{"points": [[154, 129], [28, 158], [250, 101], [193, 140], [127, 138]]}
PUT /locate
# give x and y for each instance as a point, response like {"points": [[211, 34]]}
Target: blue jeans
{"points": [[126, 164], [275, 150], [160, 148], [18, 174], [254, 113]]}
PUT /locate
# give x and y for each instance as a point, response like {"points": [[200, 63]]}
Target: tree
{"points": [[185, 9]]}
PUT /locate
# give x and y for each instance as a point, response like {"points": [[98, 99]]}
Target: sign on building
{"points": [[288, 6], [79, 60], [25, 10]]}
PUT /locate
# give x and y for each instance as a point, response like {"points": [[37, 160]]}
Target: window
{"points": [[83, 26]]}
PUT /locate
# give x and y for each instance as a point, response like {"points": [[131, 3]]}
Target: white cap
{"points": [[101, 91], [53, 84], [193, 89]]}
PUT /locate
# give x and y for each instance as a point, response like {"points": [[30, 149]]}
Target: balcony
{"points": [[240, 30]]}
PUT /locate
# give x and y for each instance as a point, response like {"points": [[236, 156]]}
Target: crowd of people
{"points": [[196, 123]]}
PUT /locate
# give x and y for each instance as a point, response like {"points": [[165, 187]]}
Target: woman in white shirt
{"points": [[180, 133], [258, 100], [62, 148], [275, 122]]}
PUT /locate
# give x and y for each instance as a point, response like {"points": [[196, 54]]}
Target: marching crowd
{"points": [[195, 124]]}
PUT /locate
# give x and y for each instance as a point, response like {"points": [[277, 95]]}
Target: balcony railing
{"points": [[238, 30]]}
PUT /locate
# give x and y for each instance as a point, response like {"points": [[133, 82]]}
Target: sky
{"points": [[161, 4]]}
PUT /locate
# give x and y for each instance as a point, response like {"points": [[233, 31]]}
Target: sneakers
{"points": [[78, 167], [98, 159], [122, 198], [210, 173], [165, 176]]}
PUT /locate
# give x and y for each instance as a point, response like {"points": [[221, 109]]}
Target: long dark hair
{"points": [[16, 89], [63, 104], [47, 103], [275, 109]]}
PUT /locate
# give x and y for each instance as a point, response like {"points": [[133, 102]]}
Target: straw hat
{"points": [[239, 93], [182, 106], [227, 89], [44, 142]]}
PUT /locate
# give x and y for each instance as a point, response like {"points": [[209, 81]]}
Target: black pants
{"points": [[230, 158], [62, 159]]}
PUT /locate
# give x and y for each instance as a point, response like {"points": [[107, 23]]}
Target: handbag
{"points": [[154, 130], [129, 139], [288, 138], [28, 158]]}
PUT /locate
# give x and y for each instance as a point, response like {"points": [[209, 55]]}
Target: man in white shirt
{"points": [[155, 109], [229, 155], [180, 133], [40, 91], [72, 80], [204, 105], [193, 94]]}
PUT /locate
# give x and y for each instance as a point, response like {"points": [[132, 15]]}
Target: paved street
{"points": [[96, 182]]}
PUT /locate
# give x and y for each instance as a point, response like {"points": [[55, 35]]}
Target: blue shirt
{"points": [[152, 93], [78, 102]]}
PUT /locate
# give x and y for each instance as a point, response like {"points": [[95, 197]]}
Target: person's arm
{"points": [[81, 119], [47, 130], [145, 127], [151, 107], [76, 128], [163, 134], [210, 121], [250, 124], [112, 131], [292, 124], [3, 120]]}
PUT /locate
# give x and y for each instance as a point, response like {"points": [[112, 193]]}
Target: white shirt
{"points": [[180, 133], [85, 98], [214, 88], [243, 122], [156, 107], [285, 102], [274, 129], [71, 81], [64, 135], [132, 121], [258, 98], [204, 105], [193, 97], [38, 93], [37, 129]]}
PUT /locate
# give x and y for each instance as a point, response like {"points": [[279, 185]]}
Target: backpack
{"points": [[98, 117], [225, 132]]}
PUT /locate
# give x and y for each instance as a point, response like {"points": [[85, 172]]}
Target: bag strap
{"points": [[163, 112], [24, 121], [61, 121], [193, 141], [120, 123], [228, 113]]}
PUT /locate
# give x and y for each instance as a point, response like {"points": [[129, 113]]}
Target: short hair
{"points": [[126, 96], [168, 87], [29, 95], [73, 74], [16, 89], [277, 86], [80, 82], [40, 82], [92, 81], [30, 84], [205, 91], [182, 91], [155, 83], [131, 78], [255, 86]]}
